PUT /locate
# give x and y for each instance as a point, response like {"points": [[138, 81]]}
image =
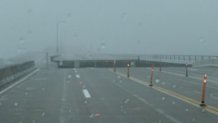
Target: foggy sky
{"points": [[109, 26]]}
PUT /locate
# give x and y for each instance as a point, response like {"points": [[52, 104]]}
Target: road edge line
{"points": [[209, 108], [19, 81]]}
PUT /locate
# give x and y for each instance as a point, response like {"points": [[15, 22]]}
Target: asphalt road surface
{"points": [[93, 95]]}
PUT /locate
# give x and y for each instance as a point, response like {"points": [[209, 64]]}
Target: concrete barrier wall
{"points": [[179, 59], [10, 73], [119, 63]]}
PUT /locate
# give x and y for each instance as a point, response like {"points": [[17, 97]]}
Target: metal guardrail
{"points": [[107, 59], [181, 59], [212, 63], [184, 59], [9, 73], [111, 63]]}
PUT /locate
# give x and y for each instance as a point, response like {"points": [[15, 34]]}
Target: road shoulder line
{"points": [[19, 81], [209, 108]]}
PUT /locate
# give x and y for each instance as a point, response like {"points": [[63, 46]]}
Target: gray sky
{"points": [[114, 26]]}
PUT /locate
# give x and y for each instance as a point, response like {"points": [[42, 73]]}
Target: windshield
{"points": [[108, 61]]}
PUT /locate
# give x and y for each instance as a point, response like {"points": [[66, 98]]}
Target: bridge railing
{"points": [[10, 73], [177, 59]]}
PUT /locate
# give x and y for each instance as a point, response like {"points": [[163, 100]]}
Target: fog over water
{"points": [[109, 26]]}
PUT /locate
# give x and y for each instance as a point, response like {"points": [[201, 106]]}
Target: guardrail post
{"points": [[152, 75], [47, 60], [160, 69], [114, 65], [128, 70], [186, 70], [203, 91]]}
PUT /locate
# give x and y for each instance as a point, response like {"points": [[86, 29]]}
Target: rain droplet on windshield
{"points": [[16, 104], [69, 76], [33, 121], [102, 45], [75, 35], [157, 81], [43, 114], [123, 15], [138, 42], [118, 77], [21, 39], [29, 11], [29, 32], [69, 14], [140, 24], [43, 89], [78, 76], [202, 40]]}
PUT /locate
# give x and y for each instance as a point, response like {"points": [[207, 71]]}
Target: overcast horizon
{"points": [[109, 26]]}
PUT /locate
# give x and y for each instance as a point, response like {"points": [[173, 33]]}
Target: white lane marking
{"points": [[77, 76], [158, 110], [86, 93], [151, 105], [63, 103], [19, 81], [167, 116]]}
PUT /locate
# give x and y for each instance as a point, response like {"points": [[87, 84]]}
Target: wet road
{"points": [[94, 95]]}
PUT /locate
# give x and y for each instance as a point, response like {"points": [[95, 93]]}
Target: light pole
{"points": [[57, 38]]}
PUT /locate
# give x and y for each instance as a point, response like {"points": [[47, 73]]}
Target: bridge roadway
{"points": [[99, 95]]}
